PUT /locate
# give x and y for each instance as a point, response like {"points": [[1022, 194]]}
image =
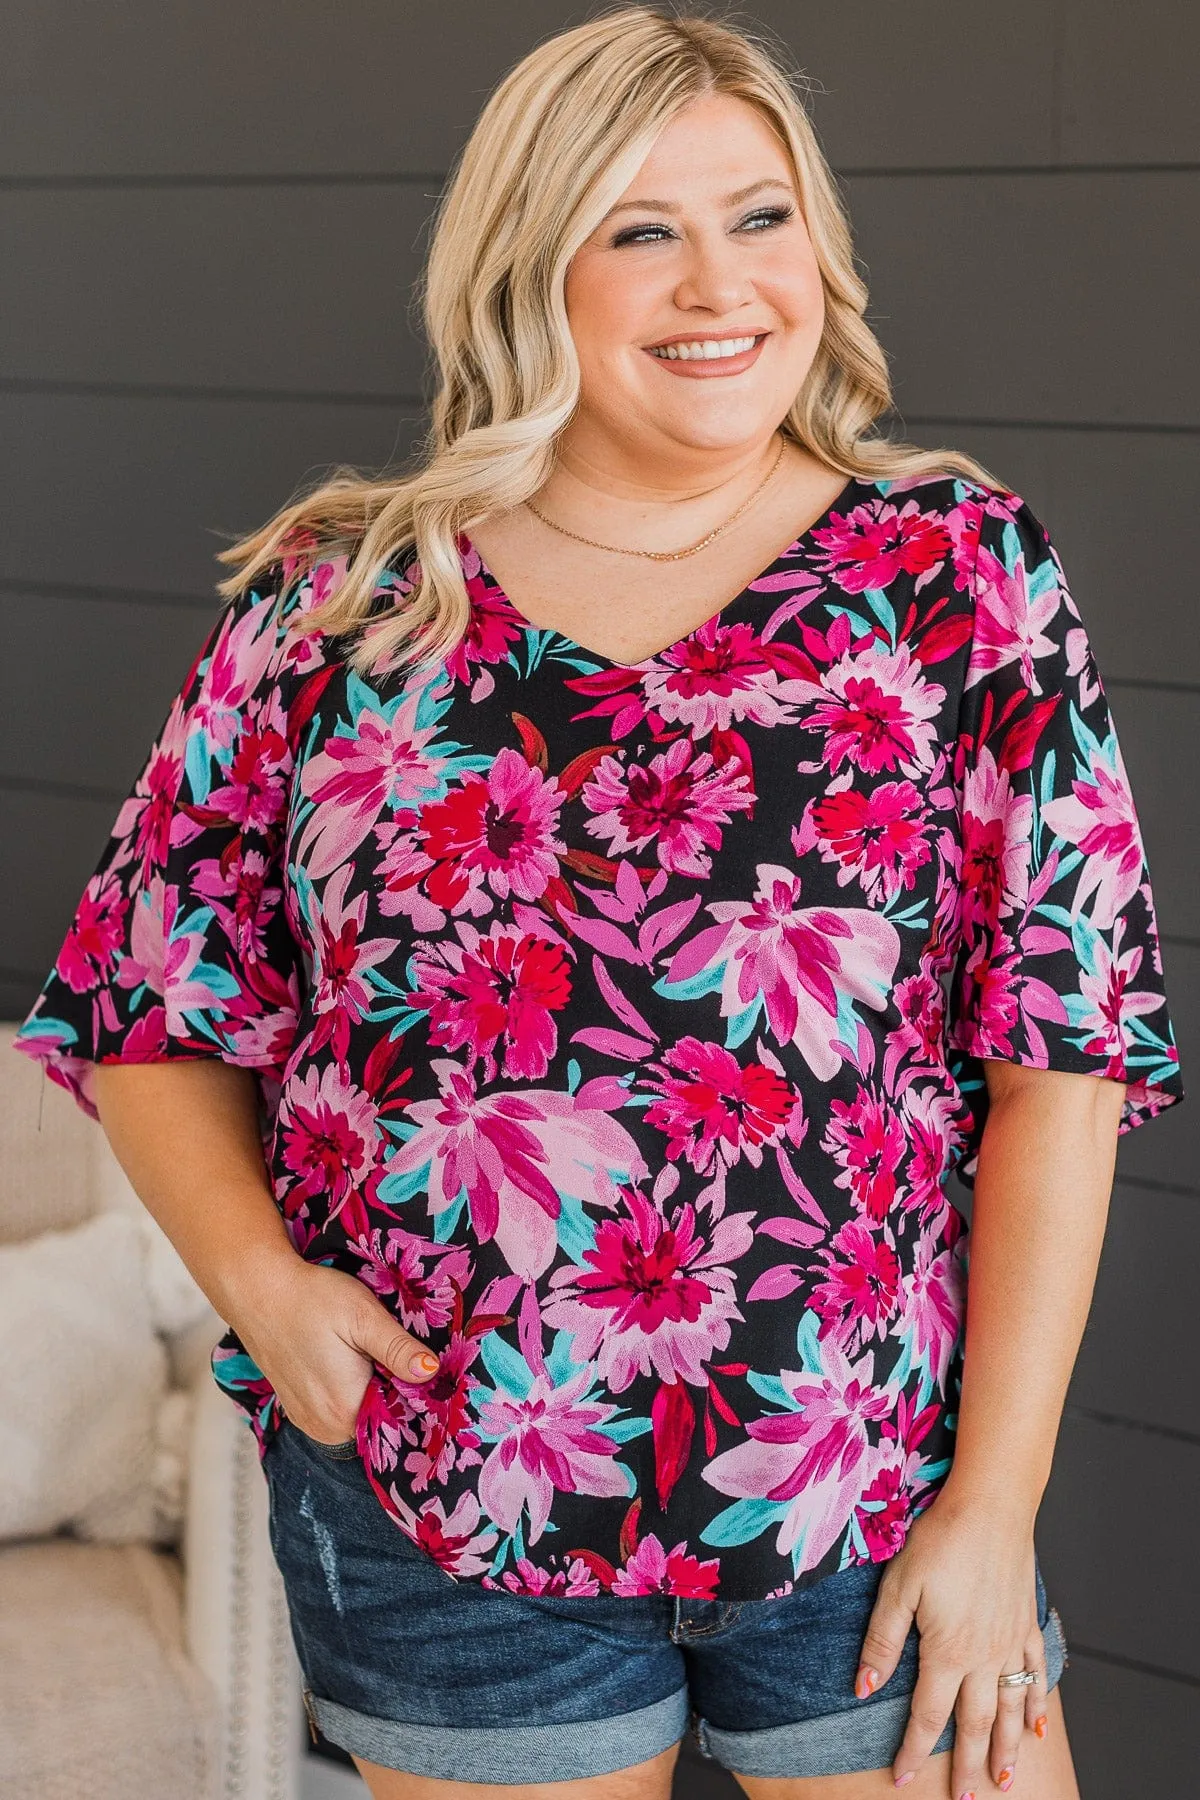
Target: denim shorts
{"points": [[407, 1667]]}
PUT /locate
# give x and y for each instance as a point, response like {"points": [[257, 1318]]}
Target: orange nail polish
{"points": [[865, 1683], [1006, 1780], [424, 1363], [1039, 1726]]}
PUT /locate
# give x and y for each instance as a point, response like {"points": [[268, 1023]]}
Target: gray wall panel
{"points": [[1133, 1734], [263, 288], [1117, 1515], [1129, 87], [1130, 1362], [984, 292], [116, 666], [51, 846], [1158, 731], [314, 88], [141, 493]]}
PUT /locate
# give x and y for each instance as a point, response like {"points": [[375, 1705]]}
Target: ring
{"points": [[1022, 1678]]}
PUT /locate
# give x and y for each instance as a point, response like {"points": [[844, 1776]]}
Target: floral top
{"points": [[619, 1026]]}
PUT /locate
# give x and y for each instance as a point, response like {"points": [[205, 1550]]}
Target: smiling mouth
{"points": [[706, 349]]}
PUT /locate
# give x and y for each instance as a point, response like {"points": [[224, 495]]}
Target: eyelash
{"points": [[778, 215]]}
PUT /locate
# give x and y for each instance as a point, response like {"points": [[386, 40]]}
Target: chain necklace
{"points": [[667, 555]]}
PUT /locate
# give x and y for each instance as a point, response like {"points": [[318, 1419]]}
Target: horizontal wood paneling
{"points": [[1115, 1538], [982, 291], [1035, 300], [140, 494], [51, 846], [1158, 732], [371, 87]]}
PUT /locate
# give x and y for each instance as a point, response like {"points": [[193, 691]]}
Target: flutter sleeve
{"points": [[1058, 964], [181, 945]]}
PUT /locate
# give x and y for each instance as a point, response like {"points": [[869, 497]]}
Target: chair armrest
{"points": [[235, 1612]]}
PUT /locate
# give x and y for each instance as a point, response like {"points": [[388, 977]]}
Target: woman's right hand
{"points": [[315, 1333]]}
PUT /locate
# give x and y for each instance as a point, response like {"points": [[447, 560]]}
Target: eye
{"points": [[771, 215]]}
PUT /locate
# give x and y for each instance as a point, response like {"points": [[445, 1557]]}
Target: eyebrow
{"points": [[668, 206]]}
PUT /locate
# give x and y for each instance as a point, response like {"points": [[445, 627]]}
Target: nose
{"points": [[716, 277]]}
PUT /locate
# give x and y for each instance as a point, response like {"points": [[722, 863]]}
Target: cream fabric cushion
{"points": [[97, 1698], [89, 1436]]}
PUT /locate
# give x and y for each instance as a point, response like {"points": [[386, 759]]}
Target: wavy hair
{"points": [[556, 144]]}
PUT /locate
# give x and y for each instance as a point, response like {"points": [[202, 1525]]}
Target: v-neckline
{"points": [[793, 545]]}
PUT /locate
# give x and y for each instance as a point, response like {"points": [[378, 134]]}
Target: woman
{"points": [[515, 982]]}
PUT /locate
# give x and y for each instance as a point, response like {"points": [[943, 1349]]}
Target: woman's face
{"points": [[680, 260]]}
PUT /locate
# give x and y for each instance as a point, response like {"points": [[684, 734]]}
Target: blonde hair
{"points": [[556, 144]]}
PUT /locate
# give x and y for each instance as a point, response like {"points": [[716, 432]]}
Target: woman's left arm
{"points": [[966, 1572]]}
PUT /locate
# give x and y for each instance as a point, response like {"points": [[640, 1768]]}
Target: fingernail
{"points": [[1006, 1780], [865, 1682], [424, 1363], [903, 1780], [970, 1796], [1039, 1726]]}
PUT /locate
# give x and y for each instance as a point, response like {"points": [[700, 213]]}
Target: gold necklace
{"points": [[666, 555]]}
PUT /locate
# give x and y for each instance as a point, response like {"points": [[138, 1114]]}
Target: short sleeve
{"points": [[180, 945], [1058, 963]]}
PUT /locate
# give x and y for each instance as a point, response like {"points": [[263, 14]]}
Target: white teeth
{"points": [[708, 350]]}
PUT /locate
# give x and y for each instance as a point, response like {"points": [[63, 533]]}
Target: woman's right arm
{"points": [[186, 1134]]}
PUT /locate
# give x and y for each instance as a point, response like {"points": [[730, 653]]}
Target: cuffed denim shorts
{"points": [[407, 1667]]}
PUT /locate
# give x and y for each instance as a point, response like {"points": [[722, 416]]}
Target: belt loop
{"points": [[676, 1622]]}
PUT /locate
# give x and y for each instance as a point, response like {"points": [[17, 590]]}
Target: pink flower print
{"points": [[342, 993], [812, 1458], [495, 832], [398, 874], [575, 1582], [492, 628], [933, 1303], [712, 1108], [884, 1512], [549, 1440], [877, 839], [452, 1540], [934, 1131], [875, 710], [718, 674], [800, 962], [242, 898], [653, 1570], [859, 1292], [1010, 625], [866, 1138], [250, 792], [871, 545], [679, 801], [146, 819], [991, 997], [388, 762], [997, 842], [416, 1279], [515, 1153], [440, 1409], [654, 1297], [919, 1002], [1112, 1000], [97, 930], [1098, 817], [482, 991], [327, 1131]]}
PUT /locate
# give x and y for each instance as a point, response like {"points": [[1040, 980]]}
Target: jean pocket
{"points": [[345, 1451]]}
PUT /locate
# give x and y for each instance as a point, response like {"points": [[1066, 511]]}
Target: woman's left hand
{"points": [[966, 1576]]}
